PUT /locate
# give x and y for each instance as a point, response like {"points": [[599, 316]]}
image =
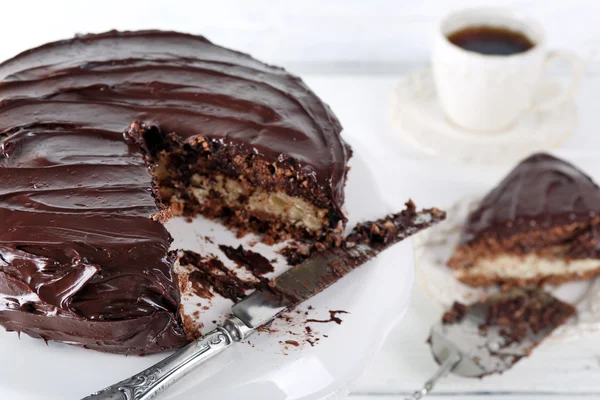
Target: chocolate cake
{"points": [[539, 225], [106, 136]]}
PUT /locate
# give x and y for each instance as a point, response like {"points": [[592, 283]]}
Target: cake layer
{"points": [[576, 240], [528, 269], [260, 204]]}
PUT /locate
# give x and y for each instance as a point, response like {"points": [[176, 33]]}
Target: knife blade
{"points": [[284, 292]]}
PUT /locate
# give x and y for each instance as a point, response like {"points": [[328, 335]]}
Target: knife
{"points": [[284, 292]]}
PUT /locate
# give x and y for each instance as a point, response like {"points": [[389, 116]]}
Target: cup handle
{"points": [[576, 72]]}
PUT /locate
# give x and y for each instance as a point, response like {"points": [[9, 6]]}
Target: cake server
{"points": [[465, 349], [261, 307]]}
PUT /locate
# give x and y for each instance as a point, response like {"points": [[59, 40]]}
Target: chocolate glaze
{"points": [[540, 192], [76, 201], [81, 259], [179, 83]]}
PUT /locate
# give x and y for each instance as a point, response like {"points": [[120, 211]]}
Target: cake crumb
{"points": [[332, 317]]}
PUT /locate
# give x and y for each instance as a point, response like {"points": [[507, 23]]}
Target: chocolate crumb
{"points": [[525, 310], [292, 343], [255, 263], [210, 273], [455, 314], [332, 318]]}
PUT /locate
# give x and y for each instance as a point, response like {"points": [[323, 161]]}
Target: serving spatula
{"points": [[284, 292], [490, 336]]}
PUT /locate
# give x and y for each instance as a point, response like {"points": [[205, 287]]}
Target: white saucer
{"points": [[417, 118], [434, 246]]}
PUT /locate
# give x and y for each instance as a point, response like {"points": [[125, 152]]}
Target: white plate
{"points": [[375, 296]]}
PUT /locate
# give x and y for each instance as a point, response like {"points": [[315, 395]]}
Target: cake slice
{"points": [[539, 225]]}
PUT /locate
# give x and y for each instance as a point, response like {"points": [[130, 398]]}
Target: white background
{"points": [[352, 52], [303, 35]]}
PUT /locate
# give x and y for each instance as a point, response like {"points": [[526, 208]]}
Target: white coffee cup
{"points": [[488, 93]]}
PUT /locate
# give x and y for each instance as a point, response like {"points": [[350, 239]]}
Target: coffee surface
{"points": [[491, 40]]}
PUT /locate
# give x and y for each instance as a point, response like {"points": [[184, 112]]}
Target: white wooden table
{"points": [[352, 35], [556, 370]]}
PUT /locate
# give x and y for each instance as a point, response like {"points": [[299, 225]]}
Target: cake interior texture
{"points": [[279, 199], [539, 225]]}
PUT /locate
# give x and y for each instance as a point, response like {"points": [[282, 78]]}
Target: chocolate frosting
{"points": [[81, 259], [179, 83], [540, 192]]}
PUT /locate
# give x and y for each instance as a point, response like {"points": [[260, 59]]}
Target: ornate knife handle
{"points": [[150, 382]]}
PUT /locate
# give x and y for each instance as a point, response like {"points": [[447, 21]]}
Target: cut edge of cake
{"points": [[279, 200]]}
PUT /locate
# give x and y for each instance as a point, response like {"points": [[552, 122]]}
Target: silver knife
{"points": [[261, 307]]}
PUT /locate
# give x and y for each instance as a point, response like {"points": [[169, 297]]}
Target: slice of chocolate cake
{"points": [[539, 225]]}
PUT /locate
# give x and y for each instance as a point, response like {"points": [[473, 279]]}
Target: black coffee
{"points": [[490, 40]]}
